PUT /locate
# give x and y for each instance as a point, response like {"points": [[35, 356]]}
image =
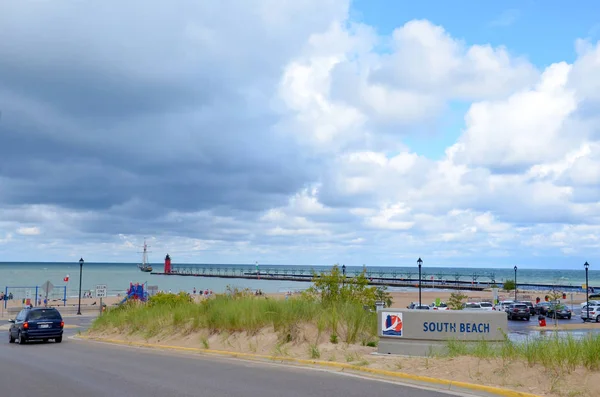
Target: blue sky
{"points": [[542, 31], [310, 132]]}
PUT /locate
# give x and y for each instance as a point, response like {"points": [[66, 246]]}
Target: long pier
{"points": [[308, 278], [391, 277]]}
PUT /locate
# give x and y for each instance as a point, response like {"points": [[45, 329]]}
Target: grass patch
{"points": [[205, 344], [227, 315], [559, 354], [313, 351]]}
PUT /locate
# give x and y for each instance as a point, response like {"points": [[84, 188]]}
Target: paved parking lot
{"points": [[520, 329]]}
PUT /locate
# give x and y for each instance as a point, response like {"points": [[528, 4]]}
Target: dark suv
{"points": [[518, 311], [530, 307], [36, 323]]}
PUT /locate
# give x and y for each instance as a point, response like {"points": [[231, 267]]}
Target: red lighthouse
{"points": [[167, 264]]}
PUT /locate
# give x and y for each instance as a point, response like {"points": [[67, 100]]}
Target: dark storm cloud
{"points": [[148, 110]]}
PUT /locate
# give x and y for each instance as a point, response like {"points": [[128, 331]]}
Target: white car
{"points": [[442, 306], [487, 306], [473, 307], [594, 313], [596, 303], [501, 307]]}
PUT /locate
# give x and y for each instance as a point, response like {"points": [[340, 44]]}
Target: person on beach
{"points": [[194, 290]]}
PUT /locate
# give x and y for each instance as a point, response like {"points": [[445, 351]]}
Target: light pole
{"points": [[80, 271], [515, 283], [587, 291], [419, 262]]}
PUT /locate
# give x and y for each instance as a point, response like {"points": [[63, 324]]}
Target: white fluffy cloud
{"points": [[283, 128]]}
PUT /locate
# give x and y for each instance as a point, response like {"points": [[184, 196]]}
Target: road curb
{"points": [[399, 375]]}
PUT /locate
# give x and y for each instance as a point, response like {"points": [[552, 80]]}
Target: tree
{"points": [[456, 301], [382, 295], [509, 285], [554, 296], [332, 288]]}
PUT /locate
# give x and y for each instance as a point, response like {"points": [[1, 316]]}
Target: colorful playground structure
{"points": [[136, 292]]}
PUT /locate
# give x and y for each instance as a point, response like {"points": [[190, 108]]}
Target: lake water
{"points": [[117, 276]]}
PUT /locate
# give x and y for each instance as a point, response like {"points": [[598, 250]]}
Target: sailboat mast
{"points": [[145, 257]]}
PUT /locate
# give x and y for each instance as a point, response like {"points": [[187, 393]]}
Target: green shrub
{"points": [[172, 300], [457, 300], [509, 285], [331, 288]]}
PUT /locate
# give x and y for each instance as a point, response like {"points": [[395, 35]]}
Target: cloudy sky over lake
{"points": [[300, 132]]}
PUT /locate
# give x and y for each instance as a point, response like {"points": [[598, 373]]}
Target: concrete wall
{"points": [[422, 332]]}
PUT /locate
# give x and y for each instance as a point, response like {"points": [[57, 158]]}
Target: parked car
{"points": [[518, 311], [558, 311], [594, 313], [36, 323], [486, 306], [592, 302], [472, 306], [532, 310], [594, 297], [441, 306], [502, 306], [542, 308]]}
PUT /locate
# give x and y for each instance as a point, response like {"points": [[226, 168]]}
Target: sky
{"points": [[301, 132]]}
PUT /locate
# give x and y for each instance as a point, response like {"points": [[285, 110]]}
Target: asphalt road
{"points": [[79, 368]]}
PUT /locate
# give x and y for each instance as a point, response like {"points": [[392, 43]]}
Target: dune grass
{"points": [[558, 353], [348, 322]]}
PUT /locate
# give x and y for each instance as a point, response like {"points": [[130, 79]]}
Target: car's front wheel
{"points": [[10, 337]]}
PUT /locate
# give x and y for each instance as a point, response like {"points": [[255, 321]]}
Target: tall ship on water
{"points": [[145, 265]]}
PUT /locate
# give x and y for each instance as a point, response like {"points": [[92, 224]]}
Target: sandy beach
{"points": [[400, 299]]}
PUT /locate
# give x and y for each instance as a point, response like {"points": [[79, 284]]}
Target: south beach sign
{"points": [[414, 332], [438, 326]]}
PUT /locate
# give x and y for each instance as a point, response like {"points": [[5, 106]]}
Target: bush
{"points": [[457, 300], [509, 285], [331, 288], [171, 300]]}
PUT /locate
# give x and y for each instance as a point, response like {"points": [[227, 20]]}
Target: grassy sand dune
{"points": [[289, 319]]}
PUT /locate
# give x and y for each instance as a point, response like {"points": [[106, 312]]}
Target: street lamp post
{"points": [[80, 271], [419, 262], [515, 283], [587, 291]]}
